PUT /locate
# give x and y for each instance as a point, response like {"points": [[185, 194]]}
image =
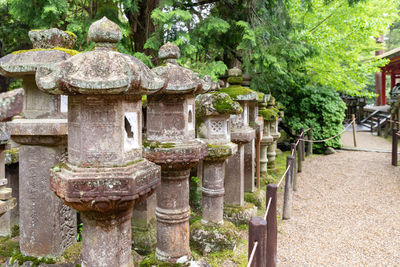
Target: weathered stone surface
{"points": [[234, 178], [11, 104], [249, 166], [213, 238], [105, 174], [12, 175], [82, 74], [39, 237], [39, 131], [172, 144], [51, 38], [143, 215], [240, 214], [216, 104], [180, 80]]}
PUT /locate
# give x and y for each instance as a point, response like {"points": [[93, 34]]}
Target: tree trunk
{"points": [[141, 24]]}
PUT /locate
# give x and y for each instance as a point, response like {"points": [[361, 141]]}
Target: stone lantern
{"points": [[269, 115], [171, 144], [105, 174], [47, 226], [275, 135], [241, 134], [250, 148], [212, 112], [11, 104]]}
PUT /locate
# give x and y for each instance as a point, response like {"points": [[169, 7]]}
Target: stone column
{"points": [[265, 142], [105, 174], [241, 134], [11, 104], [272, 147], [234, 178], [214, 129], [173, 146], [7, 202], [42, 133]]}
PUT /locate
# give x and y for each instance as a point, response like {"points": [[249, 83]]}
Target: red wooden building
{"points": [[392, 69]]}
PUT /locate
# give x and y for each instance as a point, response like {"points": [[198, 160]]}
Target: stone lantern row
{"points": [[106, 172]]}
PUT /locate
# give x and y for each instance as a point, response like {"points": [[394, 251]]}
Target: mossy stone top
{"points": [[101, 71], [216, 104], [235, 90]]}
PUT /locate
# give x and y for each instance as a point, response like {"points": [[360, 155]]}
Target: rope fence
{"points": [[263, 232]]}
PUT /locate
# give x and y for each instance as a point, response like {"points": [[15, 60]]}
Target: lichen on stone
{"points": [[65, 50], [213, 237]]}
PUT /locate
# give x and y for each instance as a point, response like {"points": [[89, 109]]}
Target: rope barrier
{"points": [[252, 254], [266, 211], [283, 176], [330, 138]]}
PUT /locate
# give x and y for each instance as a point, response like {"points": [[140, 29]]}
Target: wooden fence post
{"points": [[288, 194], [257, 233], [354, 130], [303, 145], [299, 156], [272, 226], [294, 177], [309, 147], [395, 142]]}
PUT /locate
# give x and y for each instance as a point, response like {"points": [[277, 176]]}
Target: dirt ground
{"points": [[346, 211]]}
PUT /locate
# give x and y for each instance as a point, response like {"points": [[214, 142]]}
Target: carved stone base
{"points": [[106, 241]]}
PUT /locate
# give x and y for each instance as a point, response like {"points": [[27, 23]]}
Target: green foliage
{"points": [[316, 105], [17, 255], [7, 248], [194, 193]]}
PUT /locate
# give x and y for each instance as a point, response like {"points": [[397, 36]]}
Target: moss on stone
{"points": [[155, 144], [257, 197], [17, 256], [12, 155], [236, 90], [260, 95], [73, 35], [235, 80], [7, 248], [213, 237], [240, 214], [226, 105], [144, 241], [151, 261], [269, 114], [144, 101], [58, 167], [65, 50], [72, 254]]}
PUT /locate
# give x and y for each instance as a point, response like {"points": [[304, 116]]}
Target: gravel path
{"points": [[346, 211]]}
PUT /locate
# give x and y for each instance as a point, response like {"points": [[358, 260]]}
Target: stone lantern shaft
{"points": [[172, 145]]}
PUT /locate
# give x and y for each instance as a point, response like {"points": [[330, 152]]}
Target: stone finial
{"points": [[180, 80], [216, 104], [105, 31], [101, 71], [51, 38], [169, 51]]}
